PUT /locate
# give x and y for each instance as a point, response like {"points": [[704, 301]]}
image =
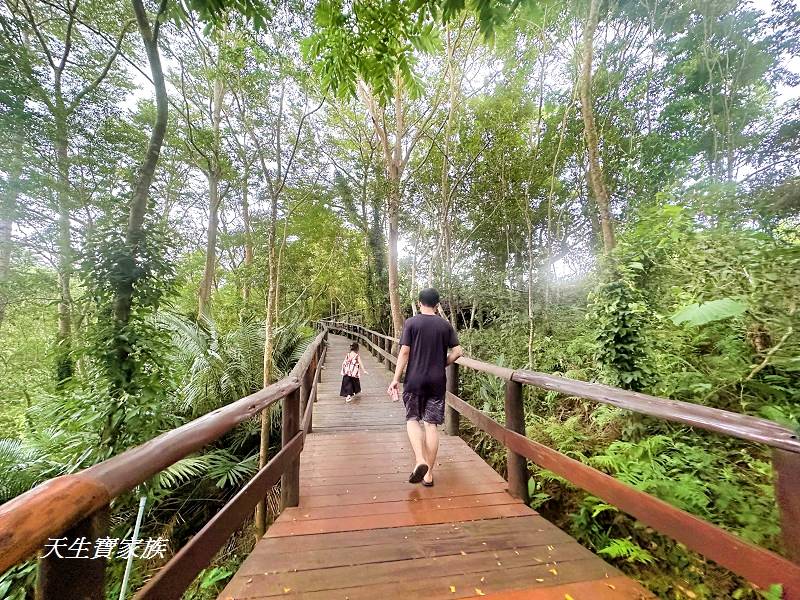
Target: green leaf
{"points": [[708, 312]]}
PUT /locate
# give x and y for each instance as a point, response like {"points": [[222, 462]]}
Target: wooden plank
{"points": [[417, 492], [380, 521], [611, 588], [449, 542], [466, 585], [394, 536], [571, 562], [377, 507], [400, 476]]}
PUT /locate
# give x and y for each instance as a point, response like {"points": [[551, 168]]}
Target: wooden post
{"points": [[379, 343], [290, 425], [515, 420], [71, 578], [787, 492], [304, 389], [306, 382], [452, 420], [387, 345]]}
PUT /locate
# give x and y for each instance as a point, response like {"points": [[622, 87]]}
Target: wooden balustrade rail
{"points": [[76, 505], [755, 564]]}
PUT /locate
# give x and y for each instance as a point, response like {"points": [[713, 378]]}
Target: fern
{"points": [[627, 550]]}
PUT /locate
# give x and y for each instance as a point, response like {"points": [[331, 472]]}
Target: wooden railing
{"points": [[757, 565], [77, 505]]}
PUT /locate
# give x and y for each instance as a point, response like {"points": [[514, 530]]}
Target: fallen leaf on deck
{"points": [[553, 571], [479, 592], [287, 590], [452, 589], [612, 586], [568, 597], [463, 553], [539, 579]]}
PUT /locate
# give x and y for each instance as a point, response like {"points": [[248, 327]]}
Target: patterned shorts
{"points": [[423, 408]]}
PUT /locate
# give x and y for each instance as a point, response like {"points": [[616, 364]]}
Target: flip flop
{"points": [[418, 474], [427, 483]]}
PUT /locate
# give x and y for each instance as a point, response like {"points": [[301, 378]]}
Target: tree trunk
{"points": [[6, 223], [248, 236], [394, 232], [395, 172], [447, 275], [211, 245], [64, 363], [596, 177], [141, 190], [8, 209], [380, 283], [214, 200]]}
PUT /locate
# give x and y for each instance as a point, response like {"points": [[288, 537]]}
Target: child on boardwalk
{"points": [[351, 367]]}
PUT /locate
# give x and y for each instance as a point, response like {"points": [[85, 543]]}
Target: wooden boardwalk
{"points": [[362, 531]]}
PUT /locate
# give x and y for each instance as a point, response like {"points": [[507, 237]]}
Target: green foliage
{"points": [[627, 550], [617, 314], [15, 583], [376, 41], [127, 355], [708, 312]]}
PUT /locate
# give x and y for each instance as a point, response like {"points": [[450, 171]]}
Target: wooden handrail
{"points": [[753, 429], [174, 577], [62, 504], [755, 564], [745, 427]]}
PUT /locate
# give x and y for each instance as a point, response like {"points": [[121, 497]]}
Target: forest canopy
{"points": [[608, 191]]}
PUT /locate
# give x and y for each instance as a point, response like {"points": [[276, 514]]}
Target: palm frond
{"points": [[184, 470]]}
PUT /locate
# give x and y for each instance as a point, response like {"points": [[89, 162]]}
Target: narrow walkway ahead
{"points": [[363, 532]]}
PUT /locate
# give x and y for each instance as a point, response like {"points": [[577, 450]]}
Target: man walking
{"points": [[423, 348]]}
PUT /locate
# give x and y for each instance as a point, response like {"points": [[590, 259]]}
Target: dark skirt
{"points": [[350, 386]]}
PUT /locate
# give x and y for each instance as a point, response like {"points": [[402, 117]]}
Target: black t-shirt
{"points": [[429, 337]]}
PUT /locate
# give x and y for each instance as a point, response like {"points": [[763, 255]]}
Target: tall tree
{"points": [[596, 177], [77, 67], [204, 83]]}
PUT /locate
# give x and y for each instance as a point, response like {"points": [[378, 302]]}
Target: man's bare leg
{"points": [[431, 448], [416, 435]]}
